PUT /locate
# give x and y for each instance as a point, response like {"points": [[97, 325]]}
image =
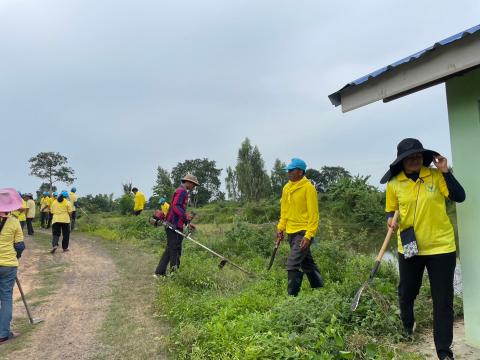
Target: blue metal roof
{"points": [[335, 97]]}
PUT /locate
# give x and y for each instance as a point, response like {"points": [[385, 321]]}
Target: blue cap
{"points": [[45, 193], [296, 163], [55, 193], [162, 200], [65, 193], [74, 189]]}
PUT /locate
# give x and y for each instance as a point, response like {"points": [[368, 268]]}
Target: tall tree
{"points": [[231, 184], [52, 167], [330, 175], [163, 185], [315, 177], [207, 174], [278, 177], [127, 188], [253, 181]]}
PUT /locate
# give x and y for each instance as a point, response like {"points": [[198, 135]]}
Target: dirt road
{"points": [[76, 311]]}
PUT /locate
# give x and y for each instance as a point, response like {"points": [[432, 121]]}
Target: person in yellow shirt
{"points": [[52, 198], [44, 209], [61, 210], [31, 210], [20, 214], [11, 248], [425, 234], [139, 201], [74, 200], [299, 220]]}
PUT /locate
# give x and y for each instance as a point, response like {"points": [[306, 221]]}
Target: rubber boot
{"points": [[315, 279], [294, 282]]}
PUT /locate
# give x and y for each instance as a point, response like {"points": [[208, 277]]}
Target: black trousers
{"points": [[22, 224], [59, 229], [172, 253], [441, 270], [73, 218], [44, 219], [298, 259], [50, 218], [30, 226], [137, 212]]}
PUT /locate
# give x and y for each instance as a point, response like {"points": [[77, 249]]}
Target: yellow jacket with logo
{"points": [[299, 208], [433, 229], [139, 201]]}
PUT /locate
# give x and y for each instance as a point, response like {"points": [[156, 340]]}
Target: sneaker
{"points": [[53, 250]]}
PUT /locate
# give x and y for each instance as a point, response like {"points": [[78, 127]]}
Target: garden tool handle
{"points": [[386, 241]]}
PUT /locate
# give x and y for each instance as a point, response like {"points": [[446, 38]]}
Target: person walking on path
{"points": [[425, 234], [177, 217], [44, 210], [61, 210], [139, 201], [20, 214], [11, 248], [299, 219], [53, 197], [31, 210], [74, 201]]}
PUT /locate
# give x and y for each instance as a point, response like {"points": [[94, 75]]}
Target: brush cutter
{"points": [[32, 320], [375, 268], [223, 261]]}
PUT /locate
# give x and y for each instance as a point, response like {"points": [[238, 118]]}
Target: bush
{"points": [[126, 203]]}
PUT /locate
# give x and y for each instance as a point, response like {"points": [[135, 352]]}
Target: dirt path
{"points": [[76, 311], [460, 349]]}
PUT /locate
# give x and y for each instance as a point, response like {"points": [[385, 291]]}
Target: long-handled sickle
{"points": [[374, 270], [32, 320], [274, 253]]}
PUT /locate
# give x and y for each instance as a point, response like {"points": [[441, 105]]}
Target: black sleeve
{"points": [[455, 190], [390, 214]]}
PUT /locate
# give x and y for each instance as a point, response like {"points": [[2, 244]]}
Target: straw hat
{"points": [[191, 178]]}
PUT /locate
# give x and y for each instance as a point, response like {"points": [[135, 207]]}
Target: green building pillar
{"points": [[463, 98]]}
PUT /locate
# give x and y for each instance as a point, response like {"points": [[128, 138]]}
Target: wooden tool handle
{"points": [[387, 240]]}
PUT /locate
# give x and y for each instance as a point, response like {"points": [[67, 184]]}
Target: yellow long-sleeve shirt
{"points": [[139, 201], [299, 208]]}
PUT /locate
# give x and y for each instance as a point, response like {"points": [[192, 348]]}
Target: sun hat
{"points": [[191, 178], [405, 148], [162, 200], [9, 200], [74, 189], [64, 193], [296, 163], [55, 194], [45, 193]]}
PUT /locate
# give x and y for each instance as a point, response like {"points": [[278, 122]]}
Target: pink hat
{"points": [[9, 200]]}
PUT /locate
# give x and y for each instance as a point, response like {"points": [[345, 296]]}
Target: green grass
{"points": [[223, 314]]}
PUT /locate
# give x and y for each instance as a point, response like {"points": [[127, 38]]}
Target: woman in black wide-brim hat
{"points": [[426, 238]]}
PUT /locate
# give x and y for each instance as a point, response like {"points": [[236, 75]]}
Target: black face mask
{"points": [[60, 198]]}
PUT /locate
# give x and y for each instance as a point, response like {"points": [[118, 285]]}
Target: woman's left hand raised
{"points": [[441, 163]]}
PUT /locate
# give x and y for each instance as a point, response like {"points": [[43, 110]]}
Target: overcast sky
{"points": [[121, 87]]}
